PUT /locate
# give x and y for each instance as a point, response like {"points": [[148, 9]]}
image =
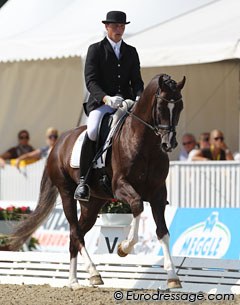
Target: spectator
{"points": [[51, 138], [218, 149], [23, 147], [204, 140], [188, 143], [202, 143]]}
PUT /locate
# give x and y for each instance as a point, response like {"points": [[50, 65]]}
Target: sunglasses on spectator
{"points": [[23, 137], [187, 143], [53, 136], [219, 138]]}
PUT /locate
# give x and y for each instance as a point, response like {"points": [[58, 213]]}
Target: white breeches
{"points": [[94, 119]]}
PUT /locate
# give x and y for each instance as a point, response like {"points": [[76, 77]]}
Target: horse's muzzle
{"points": [[168, 147]]}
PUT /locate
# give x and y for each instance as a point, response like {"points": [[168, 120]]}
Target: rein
{"points": [[140, 120]]}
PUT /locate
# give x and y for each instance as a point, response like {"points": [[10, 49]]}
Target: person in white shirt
{"points": [[188, 143]]}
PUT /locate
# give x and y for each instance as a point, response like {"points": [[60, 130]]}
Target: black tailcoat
{"points": [[107, 75]]}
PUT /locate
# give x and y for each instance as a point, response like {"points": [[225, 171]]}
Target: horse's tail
{"points": [[47, 198]]}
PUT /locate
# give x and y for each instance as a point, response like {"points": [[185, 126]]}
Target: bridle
{"points": [[163, 127], [158, 128]]}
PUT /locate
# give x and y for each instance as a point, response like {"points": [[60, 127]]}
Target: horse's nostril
{"points": [[165, 147]]}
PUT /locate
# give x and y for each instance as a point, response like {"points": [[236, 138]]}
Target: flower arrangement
{"points": [[116, 206], [14, 213]]}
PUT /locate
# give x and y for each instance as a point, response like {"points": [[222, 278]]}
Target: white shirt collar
{"points": [[115, 44]]}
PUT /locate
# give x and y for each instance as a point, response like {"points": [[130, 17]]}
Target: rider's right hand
{"points": [[113, 101]]}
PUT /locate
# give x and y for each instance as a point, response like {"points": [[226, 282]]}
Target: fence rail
{"points": [[204, 184], [189, 184], [196, 274]]}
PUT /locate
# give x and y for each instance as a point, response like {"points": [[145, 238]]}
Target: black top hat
{"points": [[116, 17]]}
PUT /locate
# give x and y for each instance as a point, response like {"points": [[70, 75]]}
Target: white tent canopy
{"points": [[62, 28], [208, 34], [20, 16]]}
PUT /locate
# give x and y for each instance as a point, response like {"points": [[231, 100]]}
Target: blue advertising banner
{"points": [[208, 233]]}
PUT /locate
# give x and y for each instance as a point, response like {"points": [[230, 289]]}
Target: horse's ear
{"points": [[161, 81], [181, 84]]}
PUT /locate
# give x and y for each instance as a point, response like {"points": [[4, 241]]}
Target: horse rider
{"points": [[112, 74]]}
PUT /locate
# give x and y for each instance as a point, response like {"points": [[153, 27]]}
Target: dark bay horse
{"points": [[137, 167]]}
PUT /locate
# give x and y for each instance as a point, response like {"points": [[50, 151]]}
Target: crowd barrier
{"points": [[189, 184]]}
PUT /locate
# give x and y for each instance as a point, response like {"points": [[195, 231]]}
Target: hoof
{"points": [[120, 252], [174, 283], [96, 280], [75, 286]]}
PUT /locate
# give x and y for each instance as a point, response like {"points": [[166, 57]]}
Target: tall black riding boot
{"points": [[87, 155]]}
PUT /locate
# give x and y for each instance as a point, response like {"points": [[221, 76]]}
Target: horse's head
{"points": [[166, 112]]}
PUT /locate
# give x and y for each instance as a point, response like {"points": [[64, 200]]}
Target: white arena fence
{"points": [[134, 271], [190, 184], [211, 184]]}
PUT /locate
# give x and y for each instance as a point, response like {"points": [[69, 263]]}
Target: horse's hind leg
{"points": [[77, 232], [125, 247], [87, 220], [158, 209], [76, 238]]}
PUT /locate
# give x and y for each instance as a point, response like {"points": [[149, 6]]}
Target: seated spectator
{"points": [[204, 140], [202, 143], [188, 143], [17, 151], [51, 138], [218, 149]]}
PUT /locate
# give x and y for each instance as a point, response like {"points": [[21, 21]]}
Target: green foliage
{"points": [[116, 207], [32, 244]]}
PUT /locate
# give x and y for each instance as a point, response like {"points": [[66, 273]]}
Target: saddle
{"points": [[109, 124]]}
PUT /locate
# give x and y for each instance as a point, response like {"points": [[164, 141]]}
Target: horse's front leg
{"points": [[125, 247], [173, 280], [126, 193], [158, 209]]}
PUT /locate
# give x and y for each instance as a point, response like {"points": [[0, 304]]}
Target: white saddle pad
{"points": [[76, 152]]}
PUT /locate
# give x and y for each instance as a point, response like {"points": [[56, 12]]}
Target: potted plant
{"points": [[9, 218], [116, 212]]}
